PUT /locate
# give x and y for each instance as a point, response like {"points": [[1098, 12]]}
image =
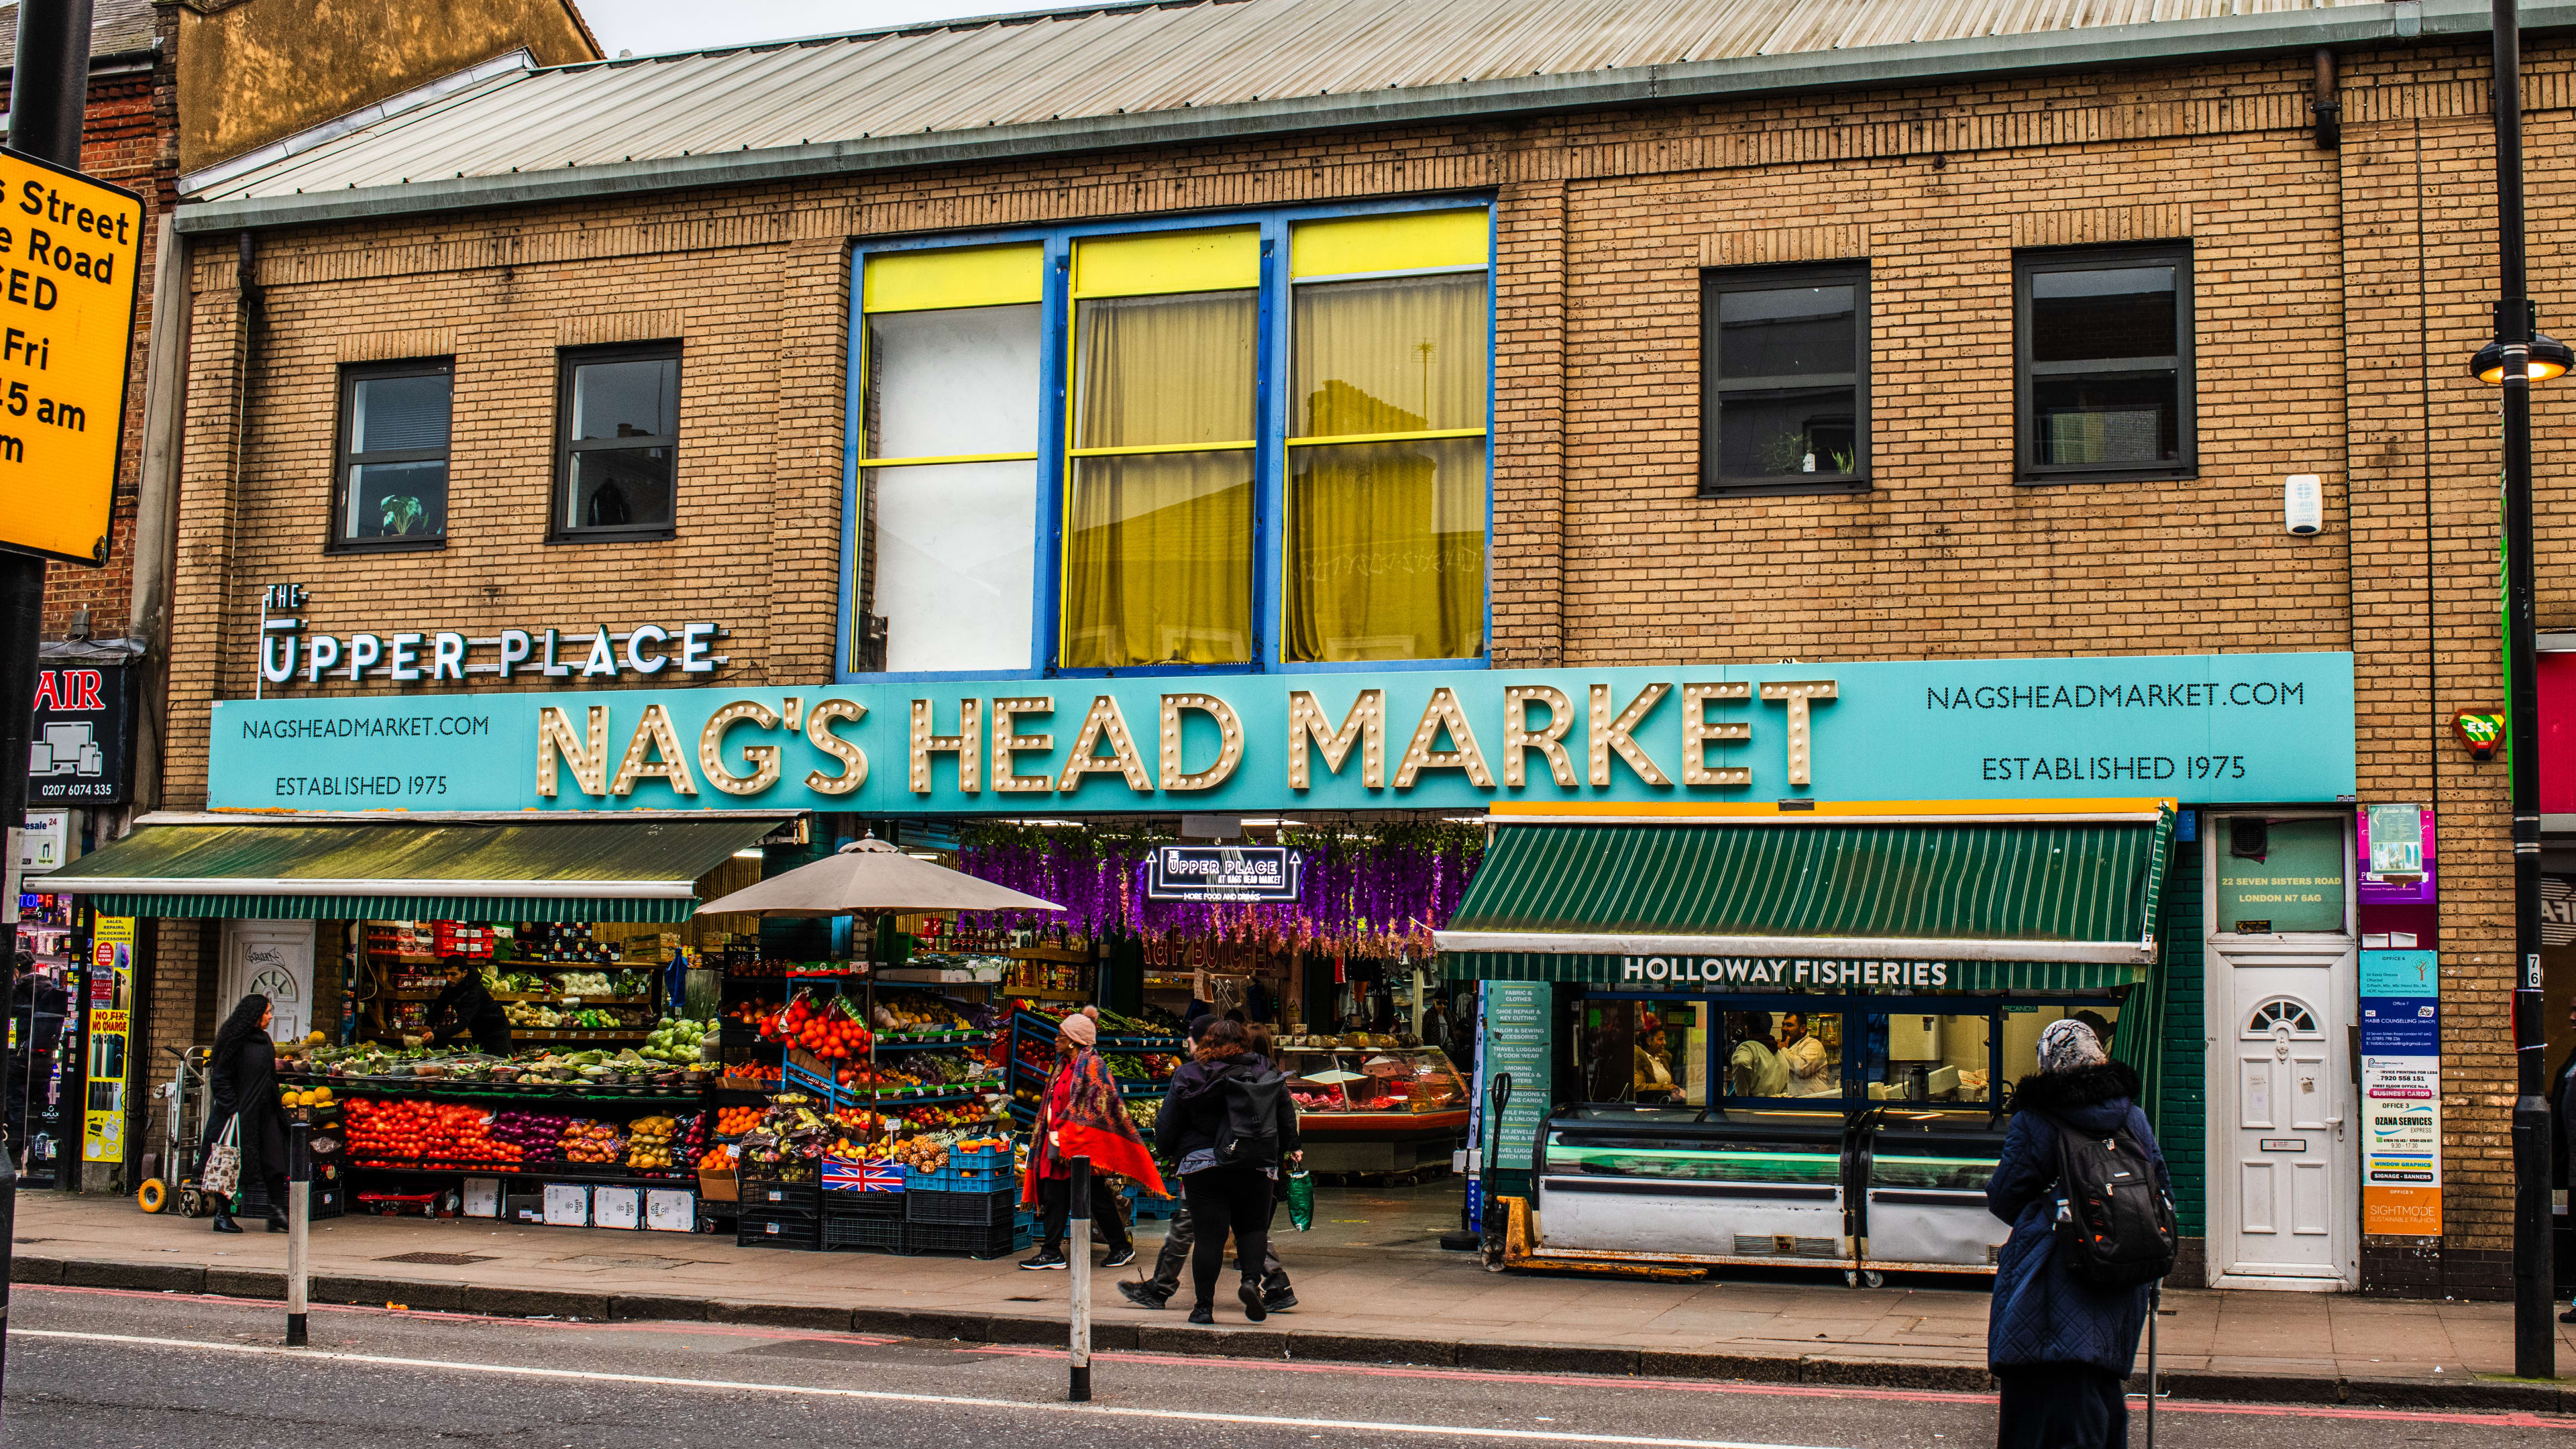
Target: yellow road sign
{"points": [[70, 248]]}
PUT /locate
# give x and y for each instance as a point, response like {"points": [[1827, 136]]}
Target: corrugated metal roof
{"points": [[1055, 70]]}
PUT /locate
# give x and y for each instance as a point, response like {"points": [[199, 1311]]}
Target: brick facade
{"points": [[2337, 295]]}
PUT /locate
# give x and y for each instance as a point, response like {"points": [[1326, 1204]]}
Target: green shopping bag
{"points": [[1301, 1198]]}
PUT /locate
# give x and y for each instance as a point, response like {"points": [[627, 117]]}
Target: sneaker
{"points": [[1046, 1258], [1202, 1313], [1279, 1302], [2568, 1317], [1119, 1257], [1250, 1293], [1142, 1295]]}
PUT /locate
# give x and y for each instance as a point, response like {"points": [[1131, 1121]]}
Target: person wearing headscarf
{"points": [[2062, 1347], [241, 1083], [1082, 1115]]}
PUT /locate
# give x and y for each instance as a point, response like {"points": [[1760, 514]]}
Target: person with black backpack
{"points": [[2083, 1183], [1228, 1125]]}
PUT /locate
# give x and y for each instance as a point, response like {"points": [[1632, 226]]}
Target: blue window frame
{"points": [[973, 459]]}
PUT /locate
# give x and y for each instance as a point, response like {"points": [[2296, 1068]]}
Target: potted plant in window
{"points": [[402, 514]]}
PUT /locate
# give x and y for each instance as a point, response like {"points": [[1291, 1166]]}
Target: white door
{"points": [[275, 959], [2284, 1130]]}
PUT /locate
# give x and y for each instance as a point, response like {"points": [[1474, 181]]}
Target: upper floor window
{"points": [[1251, 445], [1785, 357], [1387, 397], [2103, 354], [392, 480], [948, 507], [617, 442]]}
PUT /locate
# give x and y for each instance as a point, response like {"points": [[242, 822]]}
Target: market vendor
{"points": [[465, 1008], [1755, 1063], [1810, 1072], [1654, 1071]]}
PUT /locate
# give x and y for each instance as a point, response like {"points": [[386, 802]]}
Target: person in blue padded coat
{"points": [[2061, 1346]]}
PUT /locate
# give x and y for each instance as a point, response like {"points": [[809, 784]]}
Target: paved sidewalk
{"points": [[1373, 1285]]}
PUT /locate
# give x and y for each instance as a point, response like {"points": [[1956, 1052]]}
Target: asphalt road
{"points": [[88, 1369]]}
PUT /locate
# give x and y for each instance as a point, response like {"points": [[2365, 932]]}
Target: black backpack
{"points": [[2115, 1227], [1249, 1136]]}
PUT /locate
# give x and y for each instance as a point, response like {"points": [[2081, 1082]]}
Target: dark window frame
{"points": [[2027, 469], [568, 361], [1716, 282], [336, 537]]}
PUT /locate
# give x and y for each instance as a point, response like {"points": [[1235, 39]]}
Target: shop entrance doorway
{"points": [[2284, 1132], [275, 959]]}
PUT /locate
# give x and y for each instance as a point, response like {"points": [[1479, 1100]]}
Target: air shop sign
{"points": [[2270, 727]]}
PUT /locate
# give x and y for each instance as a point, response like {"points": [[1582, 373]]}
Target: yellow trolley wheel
{"points": [[153, 1196]]}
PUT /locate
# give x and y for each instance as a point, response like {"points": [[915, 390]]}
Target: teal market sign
{"points": [[2215, 728]]}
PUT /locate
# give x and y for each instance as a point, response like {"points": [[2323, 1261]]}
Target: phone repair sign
{"points": [[70, 249]]}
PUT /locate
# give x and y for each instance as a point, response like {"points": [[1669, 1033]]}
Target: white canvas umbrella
{"points": [[870, 877]]}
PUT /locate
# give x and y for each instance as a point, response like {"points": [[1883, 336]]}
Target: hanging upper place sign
{"points": [[1223, 873]]}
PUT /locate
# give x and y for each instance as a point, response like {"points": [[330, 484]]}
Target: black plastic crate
{"points": [[842, 1202], [327, 1202], [884, 1234], [799, 1199], [999, 1240], [961, 1209], [771, 1230]]}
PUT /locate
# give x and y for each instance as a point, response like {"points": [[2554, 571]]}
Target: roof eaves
{"points": [[1876, 66]]}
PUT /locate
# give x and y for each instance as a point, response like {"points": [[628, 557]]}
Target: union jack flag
{"points": [[872, 1174]]}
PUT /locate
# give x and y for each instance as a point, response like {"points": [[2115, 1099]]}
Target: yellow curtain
{"points": [[1158, 560], [1164, 370], [1386, 551], [1386, 541], [1402, 355], [1158, 547]]}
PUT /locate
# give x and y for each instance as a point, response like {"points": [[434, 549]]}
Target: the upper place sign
{"points": [[2226, 727]]}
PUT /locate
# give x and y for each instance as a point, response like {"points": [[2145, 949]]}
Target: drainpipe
{"points": [[156, 504], [2327, 103]]}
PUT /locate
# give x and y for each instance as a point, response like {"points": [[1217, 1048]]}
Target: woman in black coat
{"points": [[1223, 1197], [241, 1081], [2061, 1346]]}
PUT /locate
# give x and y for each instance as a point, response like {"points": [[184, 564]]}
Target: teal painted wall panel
{"points": [[2182, 1127]]}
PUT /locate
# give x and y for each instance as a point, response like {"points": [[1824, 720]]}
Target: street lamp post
{"points": [[2518, 357]]}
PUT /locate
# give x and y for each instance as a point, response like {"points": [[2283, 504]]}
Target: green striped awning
{"points": [[1984, 905], [587, 868]]}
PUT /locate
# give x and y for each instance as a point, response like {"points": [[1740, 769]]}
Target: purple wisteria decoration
{"points": [[1366, 892]]}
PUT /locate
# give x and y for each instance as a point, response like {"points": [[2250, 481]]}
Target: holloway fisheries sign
{"points": [[69, 251], [2215, 728]]}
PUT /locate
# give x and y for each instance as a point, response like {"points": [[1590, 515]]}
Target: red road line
{"points": [[2506, 1419], [587, 1325]]}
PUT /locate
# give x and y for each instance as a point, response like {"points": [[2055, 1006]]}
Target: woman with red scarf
{"points": [[1081, 1116]]}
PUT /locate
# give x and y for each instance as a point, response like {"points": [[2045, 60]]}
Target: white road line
{"points": [[1454, 1431]]}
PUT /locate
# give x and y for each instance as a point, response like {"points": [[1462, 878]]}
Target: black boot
{"points": [[224, 1217], [277, 1220]]}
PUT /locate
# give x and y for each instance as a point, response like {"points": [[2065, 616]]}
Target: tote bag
{"points": [[222, 1173]]}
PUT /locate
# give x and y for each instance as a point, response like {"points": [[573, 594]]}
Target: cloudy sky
{"points": [[650, 26]]}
